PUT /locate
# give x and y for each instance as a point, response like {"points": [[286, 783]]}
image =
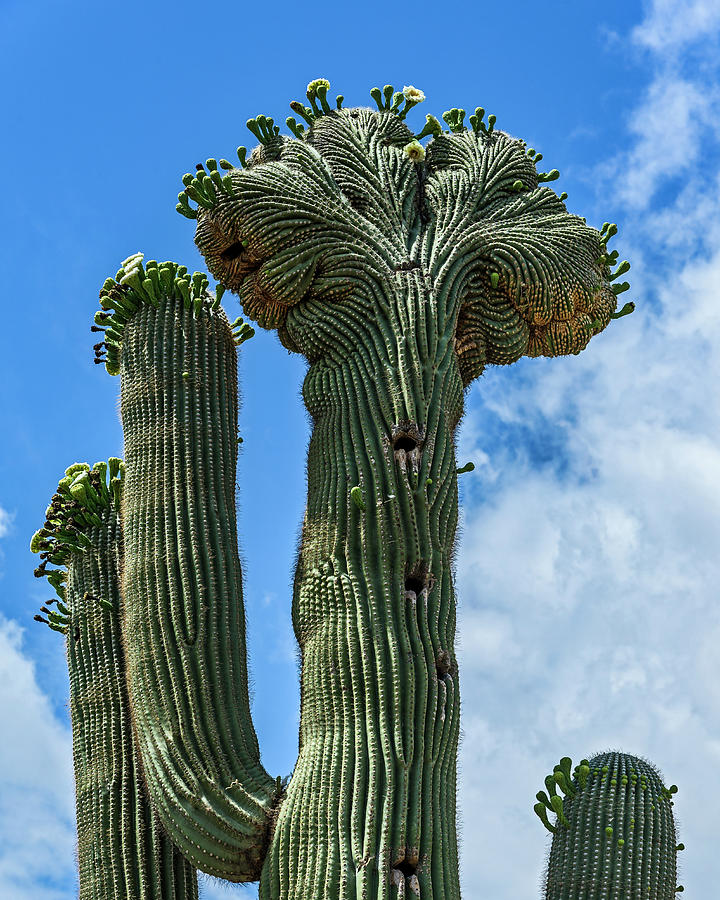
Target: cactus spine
{"points": [[399, 270]]}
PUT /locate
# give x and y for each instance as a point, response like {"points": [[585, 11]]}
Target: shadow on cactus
{"points": [[614, 833]]}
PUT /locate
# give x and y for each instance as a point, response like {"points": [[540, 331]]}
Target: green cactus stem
{"points": [[183, 621], [615, 836], [123, 852]]}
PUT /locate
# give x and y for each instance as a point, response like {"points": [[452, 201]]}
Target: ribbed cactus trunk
{"points": [[183, 617], [370, 810]]}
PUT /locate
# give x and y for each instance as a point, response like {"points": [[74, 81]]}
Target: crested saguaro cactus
{"points": [[399, 270]]}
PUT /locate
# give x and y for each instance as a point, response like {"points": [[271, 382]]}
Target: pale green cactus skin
{"points": [[399, 271]]}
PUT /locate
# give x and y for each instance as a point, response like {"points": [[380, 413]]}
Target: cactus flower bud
{"points": [[542, 814], [356, 495]]}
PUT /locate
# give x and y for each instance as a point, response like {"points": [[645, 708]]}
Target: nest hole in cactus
{"points": [[414, 583], [405, 442], [407, 868], [233, 251]]}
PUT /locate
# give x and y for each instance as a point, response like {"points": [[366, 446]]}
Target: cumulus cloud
{"points": [[37, 828], [667, 130], [679, 115], [588, 572], [673, 24]]}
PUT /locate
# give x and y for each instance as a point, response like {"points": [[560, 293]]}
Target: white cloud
{"points": [[5, 522], [37, 829], [667, 129], [679, 113], [588, 614], [673, 24]]}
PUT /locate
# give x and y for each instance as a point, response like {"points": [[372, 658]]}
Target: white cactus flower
{"points": [[415, 151], [413, 94], [318, 82]]}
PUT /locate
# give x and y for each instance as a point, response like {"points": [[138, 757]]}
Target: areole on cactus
{"points": [[399, 270]]}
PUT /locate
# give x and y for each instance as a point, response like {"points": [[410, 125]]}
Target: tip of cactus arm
{"points": [[84, 498], [138, 283]]}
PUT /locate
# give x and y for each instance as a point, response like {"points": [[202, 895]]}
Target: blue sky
{"points": [[587, 569]]}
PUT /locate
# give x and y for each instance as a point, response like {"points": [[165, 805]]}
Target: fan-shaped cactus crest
{"points": [[399, 264]]}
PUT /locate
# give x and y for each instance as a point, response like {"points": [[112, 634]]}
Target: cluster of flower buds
{"points": [[609, 259], [81, 502], [454, 119], [316, 94], [477, 123], [242, 331], [389, 100], [264, 129], [204, 186], [135, 284], [562, 778]]}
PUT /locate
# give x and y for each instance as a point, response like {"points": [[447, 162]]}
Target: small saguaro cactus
{"points": [[399, 269], [614, 835], [123, 852]]}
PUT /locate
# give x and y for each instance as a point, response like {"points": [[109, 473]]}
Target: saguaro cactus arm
{"points": [[123, 852], [615, 834], [183, 618]]}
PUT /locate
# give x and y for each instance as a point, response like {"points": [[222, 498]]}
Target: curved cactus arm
{"points": [[183, 618], [123, 852], [615, 834]]}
